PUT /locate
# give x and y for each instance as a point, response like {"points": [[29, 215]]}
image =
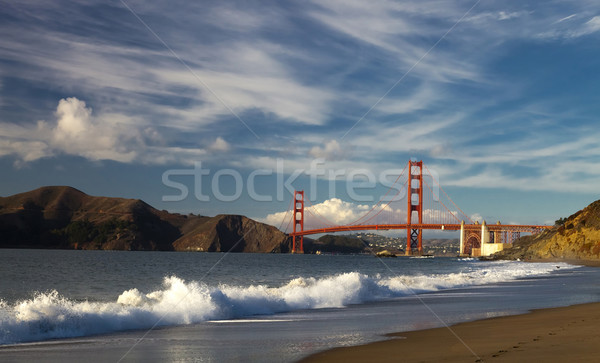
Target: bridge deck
{"points": [[440, 227]]}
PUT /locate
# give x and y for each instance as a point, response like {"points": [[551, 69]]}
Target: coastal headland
{"points": [[576, 238]]}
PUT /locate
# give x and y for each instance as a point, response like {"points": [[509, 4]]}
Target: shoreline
{"points": [[550, 334], [328, 327], [571, 261], [546, 335]]}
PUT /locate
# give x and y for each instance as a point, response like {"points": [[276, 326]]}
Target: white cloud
{"points": [[420, 134], [487, 16], [571, 29], [423, 97], [249, 78], [336, 212], [228, 16], [331, 151], [566, 18], [220, 145], [25, 142], [392, 27], [245, 76], [476, 217], [592, 25], [73, 118], [79, 132], [441, 150], [26, 150], [580, 177], [503, 15]]}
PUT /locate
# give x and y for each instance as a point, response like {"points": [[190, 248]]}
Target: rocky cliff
{"points": [[577, 238], [64, 217]]}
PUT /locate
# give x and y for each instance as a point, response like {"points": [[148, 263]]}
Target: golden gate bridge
{"points": [[419, 203]]}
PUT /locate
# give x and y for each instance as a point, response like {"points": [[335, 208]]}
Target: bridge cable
{"points": [[442, 189], [289, 209], [354, 222], [319, 214], [384, 207], [449, 211], [380, 199], [289, 223]]}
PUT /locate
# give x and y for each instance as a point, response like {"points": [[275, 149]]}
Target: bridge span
{"points": [[423, 209]]}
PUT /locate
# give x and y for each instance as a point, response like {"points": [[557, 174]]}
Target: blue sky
{"points": [[499, 98]]}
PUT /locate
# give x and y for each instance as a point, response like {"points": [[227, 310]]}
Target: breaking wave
{"points": [[50, 315]]}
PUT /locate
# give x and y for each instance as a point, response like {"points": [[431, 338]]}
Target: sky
{"points": [[225, 107]]}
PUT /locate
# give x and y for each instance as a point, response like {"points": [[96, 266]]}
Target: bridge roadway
{"points": [[444, 227]]}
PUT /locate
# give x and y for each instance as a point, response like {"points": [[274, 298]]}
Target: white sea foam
{"points": [[49, 315]]}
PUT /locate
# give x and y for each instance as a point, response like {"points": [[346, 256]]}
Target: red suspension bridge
{"points": [[415, 202]]}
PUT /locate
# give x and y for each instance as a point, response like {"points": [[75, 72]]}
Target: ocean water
{"points": [[168, 306]]}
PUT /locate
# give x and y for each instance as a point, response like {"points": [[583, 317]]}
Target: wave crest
{"points": [[50, 315]]}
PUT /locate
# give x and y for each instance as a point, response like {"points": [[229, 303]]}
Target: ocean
{"points": [[58, 305]]}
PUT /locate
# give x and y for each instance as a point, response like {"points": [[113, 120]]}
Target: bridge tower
{"points": [[414, 237], [298, 246]]}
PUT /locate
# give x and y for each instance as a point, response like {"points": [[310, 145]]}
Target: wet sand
{"points": [[548, 335], [588, 263]]}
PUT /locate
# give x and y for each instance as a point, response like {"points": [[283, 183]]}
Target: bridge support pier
{"points": [[461, 251], [485, 233], [414, 237], [298, 241]]}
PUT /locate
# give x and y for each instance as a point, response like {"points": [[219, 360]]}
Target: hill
{"points": [[64, 217], [226, 232], [335, 244], [577, 237], [370, 243]]}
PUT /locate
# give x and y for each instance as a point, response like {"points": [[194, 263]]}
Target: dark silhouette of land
{"points": [[64, 217]]}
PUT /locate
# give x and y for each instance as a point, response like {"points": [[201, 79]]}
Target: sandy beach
{"points": [[588, 263], [550, 335], [547, 335]]}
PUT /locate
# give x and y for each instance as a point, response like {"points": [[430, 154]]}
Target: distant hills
{"points": [[577, 237], [373, 243], [336, 244], [64, 217]]}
